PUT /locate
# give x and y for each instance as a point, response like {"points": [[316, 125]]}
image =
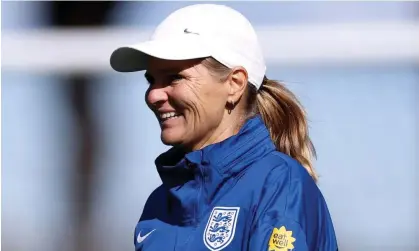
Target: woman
{"points": [[239, 175]]}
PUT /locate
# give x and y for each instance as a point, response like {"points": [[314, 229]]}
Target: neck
{"points": [[229, 126]]}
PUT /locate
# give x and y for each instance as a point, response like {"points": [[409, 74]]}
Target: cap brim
{"points": [[135, 57]]}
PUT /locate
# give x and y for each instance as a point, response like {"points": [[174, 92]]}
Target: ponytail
{"points": [[282, 114], [286, 121]]}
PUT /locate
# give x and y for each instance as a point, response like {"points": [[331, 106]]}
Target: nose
{"points": [[156, 95]]}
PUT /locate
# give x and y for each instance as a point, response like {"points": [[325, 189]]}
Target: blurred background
{"points": [[78, 143]]}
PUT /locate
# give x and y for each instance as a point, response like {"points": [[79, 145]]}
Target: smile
{"points": [[168, 115]]}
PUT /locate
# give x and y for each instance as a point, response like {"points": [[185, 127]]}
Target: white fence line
{"points": [[66, 50]]}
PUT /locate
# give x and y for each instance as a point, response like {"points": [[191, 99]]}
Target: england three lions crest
{"points": [[221, 227]]}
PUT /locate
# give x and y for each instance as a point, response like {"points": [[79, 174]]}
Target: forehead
{"points": [[162, 66]]}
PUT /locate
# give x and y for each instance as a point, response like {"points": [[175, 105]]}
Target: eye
{"points": [[166, 80], [175, 78]]}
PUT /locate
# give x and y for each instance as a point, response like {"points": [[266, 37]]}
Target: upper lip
{"points": [[161, 111]]}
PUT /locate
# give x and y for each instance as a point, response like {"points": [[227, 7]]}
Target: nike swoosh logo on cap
{"points": [[142, 238], [189, 32]]}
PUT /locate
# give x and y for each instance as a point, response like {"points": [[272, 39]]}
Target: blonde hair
{"points": [[282, 113]]}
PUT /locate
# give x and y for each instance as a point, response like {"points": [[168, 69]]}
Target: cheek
{"points": [[214, 98], [200, 103], [181, 98], [215, 105], [211, 105], [203, 101]]}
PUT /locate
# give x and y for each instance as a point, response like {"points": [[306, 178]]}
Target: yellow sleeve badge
{"points": [[281, 240]]}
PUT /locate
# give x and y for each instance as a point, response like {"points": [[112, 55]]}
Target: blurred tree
{"points": [[81, 15]]}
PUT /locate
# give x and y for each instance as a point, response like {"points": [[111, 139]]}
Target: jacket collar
{"points": [[217, 163]]}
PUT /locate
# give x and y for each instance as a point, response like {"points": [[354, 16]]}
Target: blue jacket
{"points": [[240, 194]]}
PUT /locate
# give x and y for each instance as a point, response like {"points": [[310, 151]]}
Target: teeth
{"points": [[168, 115]]}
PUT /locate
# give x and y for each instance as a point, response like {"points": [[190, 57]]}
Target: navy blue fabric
{"points": [[239, 194]]}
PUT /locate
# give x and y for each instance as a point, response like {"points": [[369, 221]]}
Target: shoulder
{"points": [[292, 199], [154, 203], [284, 174], [290, 185]]}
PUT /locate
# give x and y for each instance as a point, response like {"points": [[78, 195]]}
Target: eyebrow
{"points": [[167, 70]]}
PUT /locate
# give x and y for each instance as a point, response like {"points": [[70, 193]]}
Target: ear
{"points": [[237, 84]]}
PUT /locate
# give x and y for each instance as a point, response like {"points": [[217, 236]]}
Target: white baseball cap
{"points": [[198, 31]]}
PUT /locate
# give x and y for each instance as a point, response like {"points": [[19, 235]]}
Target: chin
{"points": [[170, 137]]}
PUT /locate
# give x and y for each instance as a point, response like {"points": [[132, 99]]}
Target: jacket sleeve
{"points": [[292, 215], [279, 235]]}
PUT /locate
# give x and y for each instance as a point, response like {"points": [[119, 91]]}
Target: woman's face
{"points": [[188, 102]]}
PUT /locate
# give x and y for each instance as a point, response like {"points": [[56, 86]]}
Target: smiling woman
{"points": [[239, 175], [190, 103]]}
